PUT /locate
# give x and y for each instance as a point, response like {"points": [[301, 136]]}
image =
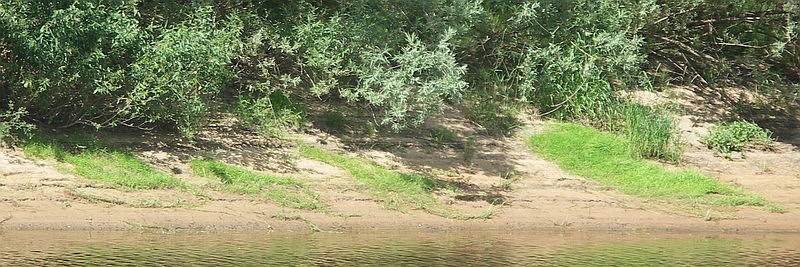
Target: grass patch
{"points": [[606, 158], [398, 191], [287, 191], [90, 160]]}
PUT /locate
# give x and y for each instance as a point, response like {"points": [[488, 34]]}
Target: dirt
{"points": [[496, 176]]}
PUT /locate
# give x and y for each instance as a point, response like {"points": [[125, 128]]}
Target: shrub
{"points": [[11, 122], [728, 137], [411, 84], [182, 73]]}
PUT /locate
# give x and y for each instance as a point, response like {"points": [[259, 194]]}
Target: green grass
{"points": [[651, 133], [398, 191], [90, 160], [605, 157], [287, 191]]}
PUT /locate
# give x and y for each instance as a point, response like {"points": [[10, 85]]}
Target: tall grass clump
{"points": [[735, 136], [286, 191], [652, 133]]}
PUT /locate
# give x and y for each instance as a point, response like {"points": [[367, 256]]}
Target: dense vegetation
{"points": [[173, 63]]}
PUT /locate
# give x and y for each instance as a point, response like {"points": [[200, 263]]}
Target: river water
{"points": [[402, 248]]}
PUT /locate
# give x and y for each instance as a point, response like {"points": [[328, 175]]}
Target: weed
{"points": [[710, 217], [728, 137], [441, 136], [272, 115], [399, 191], [148, 203], [509, 177], [285, 190], [94, 197], [11, 122], [605, 158], [651, 133], [469, 150], [776, 209], [487, 214], [335, 121], [497, 119], [765, 167], [314, 228], [121, 169], [446, 173]]}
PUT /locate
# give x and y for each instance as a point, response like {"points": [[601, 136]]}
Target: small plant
{"points": [[469, 150], [509, 177], [11, 123], [441, 136], [776, 209], [272, 115], [497, 119], [726, 138], [335, 121]]}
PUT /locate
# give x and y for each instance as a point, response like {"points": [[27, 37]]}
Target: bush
{"points": [[728, 137], [652, 133], [183, 72]]}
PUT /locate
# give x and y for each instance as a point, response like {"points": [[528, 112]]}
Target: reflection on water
{"points": [[396, 248]]}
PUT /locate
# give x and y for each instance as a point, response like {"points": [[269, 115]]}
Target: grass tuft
{"points": [[606, 158], [287, 191], [651, 133], [399, 191]]}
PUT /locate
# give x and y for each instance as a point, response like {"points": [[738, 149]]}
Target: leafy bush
{"points": [[412, 84], [181, 74], [728, 137], [156, 63], [651, 133], [11, 122], [65, 60]]}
